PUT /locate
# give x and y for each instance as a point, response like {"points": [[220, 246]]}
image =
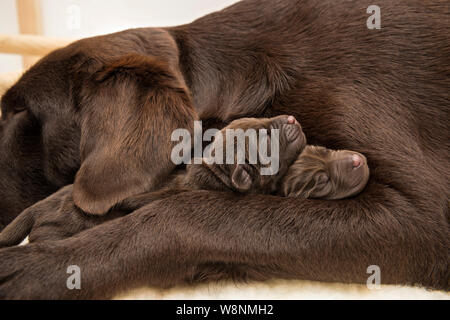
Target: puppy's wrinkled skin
{"points": [[57, 217], [323, 173], [382, 93], [247, 177]]}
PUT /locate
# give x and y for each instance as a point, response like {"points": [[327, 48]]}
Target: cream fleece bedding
{"points": [[285, 290]]}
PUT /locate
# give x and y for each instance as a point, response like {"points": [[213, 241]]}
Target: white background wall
{"points": [[8, 25], [84, 18]]}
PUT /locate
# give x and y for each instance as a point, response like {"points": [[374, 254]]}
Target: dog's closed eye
{"points": [[8, 114], [18, 109]]}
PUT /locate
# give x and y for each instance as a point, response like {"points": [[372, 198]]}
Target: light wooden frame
{"points": [[30, 43]]}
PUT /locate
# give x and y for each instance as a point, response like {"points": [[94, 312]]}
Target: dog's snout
{"points": [[291, 120], [351, 161]]}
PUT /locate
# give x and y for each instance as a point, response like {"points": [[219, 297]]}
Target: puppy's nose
{"points": [[292, 129], [357, 161], [291, 120]]}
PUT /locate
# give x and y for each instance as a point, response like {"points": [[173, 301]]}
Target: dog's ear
{"points": [[128, 111]]}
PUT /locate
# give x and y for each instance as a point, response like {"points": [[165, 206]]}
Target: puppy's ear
{"points": [[235, 177], [241, 179], [129, 109]]}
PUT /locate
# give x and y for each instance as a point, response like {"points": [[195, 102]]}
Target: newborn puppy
{"points": [[57, 217], [248, 176], [323, 173]]}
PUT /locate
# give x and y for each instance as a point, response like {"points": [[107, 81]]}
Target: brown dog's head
{"points": [[98, 113], [264, 158], [326, 174]]}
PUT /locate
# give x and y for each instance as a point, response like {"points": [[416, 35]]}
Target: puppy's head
{"points": [[251, 155], [326, 174]]}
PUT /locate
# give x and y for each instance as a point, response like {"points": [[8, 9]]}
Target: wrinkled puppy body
{"points": [[244, 174], [323, 173]]}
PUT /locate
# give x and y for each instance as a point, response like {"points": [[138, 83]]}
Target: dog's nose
{"points": [[291, 120], [350, 161], [357, 161], [292, 129]]}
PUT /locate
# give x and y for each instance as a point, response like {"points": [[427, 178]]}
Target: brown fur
{"points": [[383, 93]]}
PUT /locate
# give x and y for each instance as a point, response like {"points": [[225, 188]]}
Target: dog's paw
{"points": [[28, 272]]}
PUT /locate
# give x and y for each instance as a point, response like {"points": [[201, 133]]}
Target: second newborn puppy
{"points": [[323, 173]]}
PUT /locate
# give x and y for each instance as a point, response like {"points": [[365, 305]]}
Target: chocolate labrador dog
{"points": [[100, 112]]}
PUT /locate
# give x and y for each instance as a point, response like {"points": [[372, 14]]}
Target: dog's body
{"points": [[91, 111]]}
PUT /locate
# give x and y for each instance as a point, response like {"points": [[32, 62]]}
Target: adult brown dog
{"points": [[103, 108]]}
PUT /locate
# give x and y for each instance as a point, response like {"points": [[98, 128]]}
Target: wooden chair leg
{"points": [[29, 17]]}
